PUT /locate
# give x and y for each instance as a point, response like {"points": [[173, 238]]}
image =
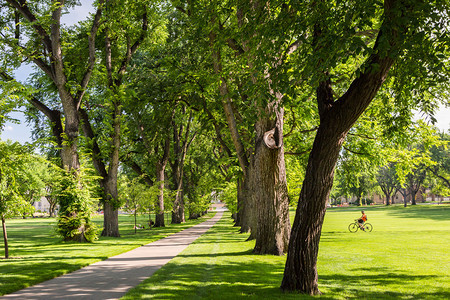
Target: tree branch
{"points": [[54, 116], [56, 53], [232, 43], [131, 50], [91, 46], [22, 7], [90, 135], [435, 173], [136, 168], [298, 153], [362, 136], [357, 153]]}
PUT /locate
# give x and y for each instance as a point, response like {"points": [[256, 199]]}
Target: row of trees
{"points": [[190, 94], [420, 162]]}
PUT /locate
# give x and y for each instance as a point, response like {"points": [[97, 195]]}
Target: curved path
{"points": [[113, 277]]}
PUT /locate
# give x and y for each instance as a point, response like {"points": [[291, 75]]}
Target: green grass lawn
{"points": [[37, 253], [404, 257]]}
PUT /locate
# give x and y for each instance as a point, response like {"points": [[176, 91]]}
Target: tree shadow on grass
{"points": [[181, 280], [240, 253], [28, 272], [224, 239], [359, 285], [433, 212], [252, 279]]}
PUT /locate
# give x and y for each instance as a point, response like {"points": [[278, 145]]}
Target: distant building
{"points": [[42, 206]]}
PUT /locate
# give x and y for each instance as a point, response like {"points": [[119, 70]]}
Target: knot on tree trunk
{"points": [[272, 138]]}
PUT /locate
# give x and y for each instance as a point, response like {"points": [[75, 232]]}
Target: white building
{"points": [[42, 205]]}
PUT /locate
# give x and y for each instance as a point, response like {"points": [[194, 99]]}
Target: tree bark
{"points": [[413, 194], [5, 238], [244, 196], [111, 224], [111, 220], [269, 189], [111, 213], [180, 151], [301, 265], [69, 151], [237, 215], [178, 209], [160, 169], [244, 206]]}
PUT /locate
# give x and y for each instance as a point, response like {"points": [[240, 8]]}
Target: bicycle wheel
{"points": [[353, 227], [368, 227]]}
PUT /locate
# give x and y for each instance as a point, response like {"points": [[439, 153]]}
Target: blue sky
{"points": [[21, 133]]}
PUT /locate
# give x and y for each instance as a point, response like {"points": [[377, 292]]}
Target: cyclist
{"points": [[362, 220]]}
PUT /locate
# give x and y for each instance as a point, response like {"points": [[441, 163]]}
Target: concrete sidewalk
{"points": [[112, 278]]}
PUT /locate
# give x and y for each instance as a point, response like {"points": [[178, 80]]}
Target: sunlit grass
{"points": [[37, 253], [405, 257]]}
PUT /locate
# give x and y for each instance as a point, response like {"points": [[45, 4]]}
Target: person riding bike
{"points": [[362, 220]]}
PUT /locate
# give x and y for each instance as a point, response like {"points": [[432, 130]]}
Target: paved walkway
{"points": [[112, 278]]}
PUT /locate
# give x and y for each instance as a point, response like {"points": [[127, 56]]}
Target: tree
{"points": [[50, 177], [149, 124], [441, 157], [137, 197], [355, 172], [228, 195], [405, 29], [252, 110], [183, 136], [202, 175], [12, 159], [75, 205], [126, 28], [388, 181], [31, 184], [32, 31], [414, 182], [415, 159]]}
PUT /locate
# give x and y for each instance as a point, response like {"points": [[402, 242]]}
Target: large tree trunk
{"points": [[111, 212], [111, 220], [178, 207], [269, 188], [159, 221], [244, 196], [413, 193], [160, 169], [244, 205], [404, 193], [301, 269], [111, 207], [237, 215], [5, 238], [180, 151], [387, 199]]}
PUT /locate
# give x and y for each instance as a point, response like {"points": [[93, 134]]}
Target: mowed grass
{"points": [[38, 254], [404, 257]]}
